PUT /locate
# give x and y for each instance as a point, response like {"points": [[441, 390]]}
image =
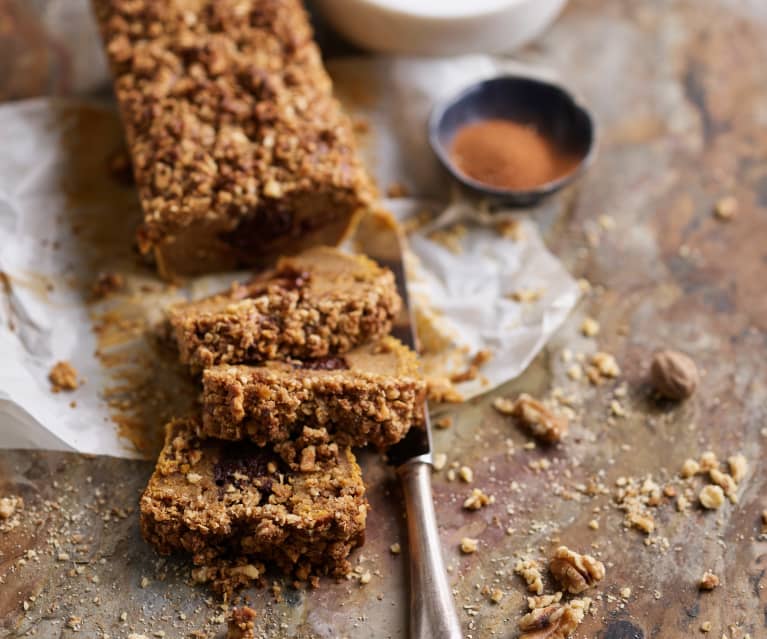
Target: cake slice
{"points": [[370, 395], [234, 506], [319, 303]]}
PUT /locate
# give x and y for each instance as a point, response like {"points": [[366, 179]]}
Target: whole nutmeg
{"points": [[673, 374]]}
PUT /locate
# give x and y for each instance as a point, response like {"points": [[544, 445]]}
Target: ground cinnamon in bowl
{"points": [[509, 155]]}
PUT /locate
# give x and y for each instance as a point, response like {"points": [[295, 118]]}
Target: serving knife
{"points": [[432, 612]]}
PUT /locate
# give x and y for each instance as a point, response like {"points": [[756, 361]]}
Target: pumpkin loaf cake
{"points": [[240, 152], [234, 506], [370, 395], [319, 303]]}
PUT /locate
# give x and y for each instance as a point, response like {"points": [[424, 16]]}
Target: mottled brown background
{"points": [[679, 88]]}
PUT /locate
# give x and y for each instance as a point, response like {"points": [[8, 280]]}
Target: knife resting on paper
{"points": [[432, 612]]}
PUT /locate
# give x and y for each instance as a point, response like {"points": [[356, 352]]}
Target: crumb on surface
{"points": [[63, 377], [709, 581], [530, 571], [590, 327], [726, 208], [469, 545], [711, 497], [10, 505]]}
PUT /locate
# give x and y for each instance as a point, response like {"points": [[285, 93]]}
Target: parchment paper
{"points": [[64, 219]]}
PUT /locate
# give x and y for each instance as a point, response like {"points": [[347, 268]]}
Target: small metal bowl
{"points": [[552, 110]]}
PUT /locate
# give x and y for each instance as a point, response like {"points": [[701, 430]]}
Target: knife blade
{"points": [[432, 611]]}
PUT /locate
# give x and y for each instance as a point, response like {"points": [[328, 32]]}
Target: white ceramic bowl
{"points": [[440, 27]]}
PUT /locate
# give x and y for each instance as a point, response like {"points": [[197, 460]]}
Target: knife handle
{"points": [[432, 613]]}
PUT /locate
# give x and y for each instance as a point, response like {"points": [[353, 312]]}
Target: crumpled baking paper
{"points": [[63, 220]]}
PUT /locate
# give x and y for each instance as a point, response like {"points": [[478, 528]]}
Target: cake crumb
{"points": [[726, 208], [242, 623], [466, 474], [469, 545], [625, 592], [440, 460], [590, 327], [705, 626], [63, 377], [478, 499], [395, 548], [709, 581], [9, 506]]}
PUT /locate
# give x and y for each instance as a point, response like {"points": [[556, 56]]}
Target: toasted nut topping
{"points": [[530, 571]]}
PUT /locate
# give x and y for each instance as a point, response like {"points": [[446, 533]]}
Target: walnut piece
{"points": [[673, 375], [539, 420], [575, 572], [709, 581], [557, 621], [529, 570], [469, 545], [711, 497], [63, 377], [478, 499]]}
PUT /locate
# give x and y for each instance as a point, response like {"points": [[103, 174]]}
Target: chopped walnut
{"points": [[308, 459], [503, 405], [9, 505], [738, 467], [727, 484], [689, 468], [469, 545], [542, 601], [708, 461], [575, 572], [709, 581], [557, 621], [440, 459], [711, 497], [63, 377], [441, 391], [478, 499], [466, 474], [539, 420], [643, 521], [529, 570], [602, 366]]}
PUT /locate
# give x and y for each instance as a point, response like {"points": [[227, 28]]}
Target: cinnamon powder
{"points": [[508, 155]]}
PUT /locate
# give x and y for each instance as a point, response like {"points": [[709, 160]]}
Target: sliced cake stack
{"points": [[297, 367]]}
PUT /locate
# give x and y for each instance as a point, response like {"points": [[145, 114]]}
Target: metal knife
{"points": [[432, 612]]}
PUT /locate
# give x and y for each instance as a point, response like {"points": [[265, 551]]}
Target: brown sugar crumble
{"points": [[242, 623], [63, 377]]}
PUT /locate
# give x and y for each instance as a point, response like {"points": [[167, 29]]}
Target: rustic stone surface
{"points": [[678, 89]]}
